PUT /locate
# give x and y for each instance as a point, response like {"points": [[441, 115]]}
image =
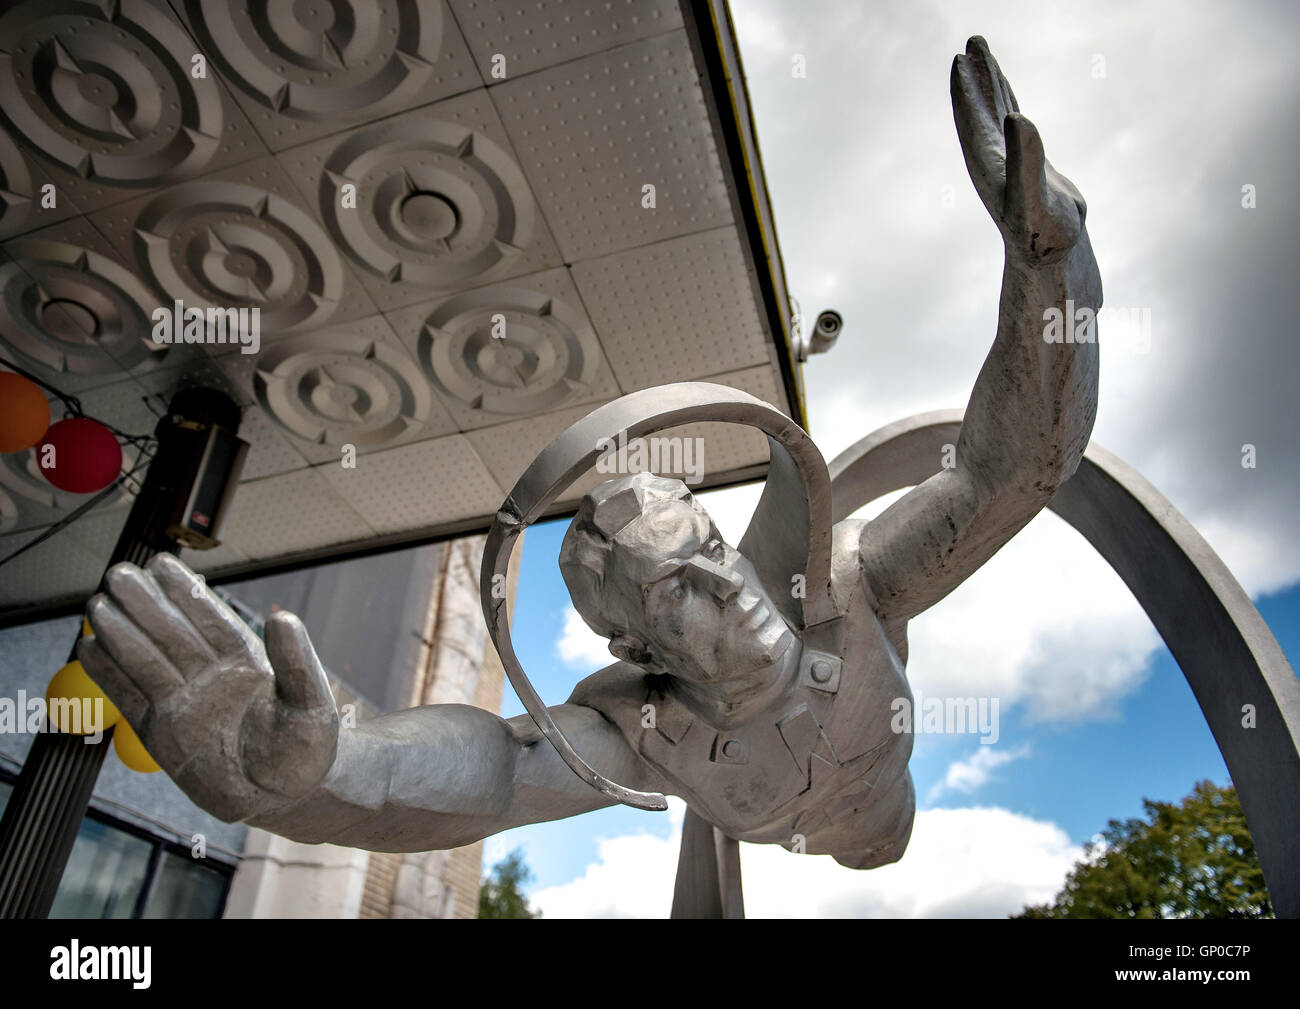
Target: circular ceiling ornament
{"points": [[224, 243], [36, 501], [340, 388], [73, 311], [438, 206], [8, 511], [509, 351], [108, 96], [17, 191], [314, 59]]}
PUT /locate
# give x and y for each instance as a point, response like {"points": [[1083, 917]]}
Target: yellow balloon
{"points": [[72, 683], [131, 751], [85, 627]]}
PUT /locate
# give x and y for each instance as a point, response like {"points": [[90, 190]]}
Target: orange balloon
{"points": [[24, 413], [131, 751]]}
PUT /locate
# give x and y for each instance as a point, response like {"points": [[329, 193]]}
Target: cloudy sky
{"points": [[1160, 113]]}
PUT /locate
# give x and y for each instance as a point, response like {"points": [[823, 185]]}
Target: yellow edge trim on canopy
{"points": [[801, 405]]}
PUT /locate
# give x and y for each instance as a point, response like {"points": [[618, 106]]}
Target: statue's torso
{"points": [[821, 764]]}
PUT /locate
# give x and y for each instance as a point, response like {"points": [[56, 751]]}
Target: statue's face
{"points": [[703, 614]]}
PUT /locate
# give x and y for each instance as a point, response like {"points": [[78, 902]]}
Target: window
{"points": [[106, 873], [117, 870], [184, 887]]}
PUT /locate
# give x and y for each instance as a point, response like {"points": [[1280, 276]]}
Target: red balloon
{"points": [[24, 413], [85, 457]]}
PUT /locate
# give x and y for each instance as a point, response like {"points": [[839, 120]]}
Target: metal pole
{"points": [[708, 872], [49, 801]]}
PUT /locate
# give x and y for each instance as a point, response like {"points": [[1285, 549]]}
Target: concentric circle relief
{"points": [[339, 388], [224, 243], [315, 59], [17, 191], [8, 512], [108, 98], [539, 353], [439, 208], [73, 310], [29, 494]]}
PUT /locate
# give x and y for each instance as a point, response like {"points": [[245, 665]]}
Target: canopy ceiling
{"points": [[476, 196]]}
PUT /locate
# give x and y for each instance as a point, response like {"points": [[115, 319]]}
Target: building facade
{"points": [[393, 630]]}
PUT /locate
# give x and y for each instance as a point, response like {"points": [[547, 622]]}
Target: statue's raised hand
{"points": [[243, 728], [1039, 211]]}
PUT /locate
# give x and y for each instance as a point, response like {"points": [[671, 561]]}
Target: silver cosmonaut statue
{"points": [[770, 714]]}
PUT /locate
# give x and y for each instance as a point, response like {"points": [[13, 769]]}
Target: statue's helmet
{"points": [[628, 532]]}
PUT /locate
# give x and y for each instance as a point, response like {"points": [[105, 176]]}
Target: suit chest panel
{"points": [[824, 739]]}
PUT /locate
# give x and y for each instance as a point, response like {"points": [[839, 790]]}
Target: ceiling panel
{"points": [[269, 452], [526, 40], [291, 512], [405, 488], [677, 306], [29, 501], [106, 96], [241, 237], [22, 188], [354, 385], [71, 308], [508, 448], [440, 201], [498, 276], [304, 70], [593, 133], [57, 568], [546, 356]]}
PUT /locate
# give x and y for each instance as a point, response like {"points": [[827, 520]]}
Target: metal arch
{"points": [[783, 538], [1223, 646]]}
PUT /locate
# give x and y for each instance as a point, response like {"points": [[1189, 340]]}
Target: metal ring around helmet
{"points": [[783, 539]]}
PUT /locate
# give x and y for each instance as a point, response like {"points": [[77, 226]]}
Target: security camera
{"points": [[825, 331]]}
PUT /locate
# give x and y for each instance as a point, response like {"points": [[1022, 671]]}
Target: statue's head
{"points": [[647, 568]]}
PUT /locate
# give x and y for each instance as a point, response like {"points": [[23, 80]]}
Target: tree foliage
{"points": [[501, 895], [1189, 860]]}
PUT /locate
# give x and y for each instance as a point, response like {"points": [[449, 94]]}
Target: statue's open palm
{"points": [[1039, 211], [242, 727]]}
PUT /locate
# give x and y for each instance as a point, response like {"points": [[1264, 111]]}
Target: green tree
{"points": [[1188, 860], [501, 895]]}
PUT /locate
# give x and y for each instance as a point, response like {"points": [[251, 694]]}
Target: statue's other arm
{"points": [[249, 731], [446, 775], [1031, 412]]}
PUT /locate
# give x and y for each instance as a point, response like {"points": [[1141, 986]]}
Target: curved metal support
{"points": [[789, 533], [1220, 641]]}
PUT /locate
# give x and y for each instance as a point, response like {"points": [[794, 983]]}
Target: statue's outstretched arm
{"points": [[1031, 412], [446, 775], [250, 730]]}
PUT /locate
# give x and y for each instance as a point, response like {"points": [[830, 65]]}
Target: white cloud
{"points": [[973, 862], [1046, 624], [731, 509], [976, 770], [579, 646], [632, 877], [495, 848]]}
